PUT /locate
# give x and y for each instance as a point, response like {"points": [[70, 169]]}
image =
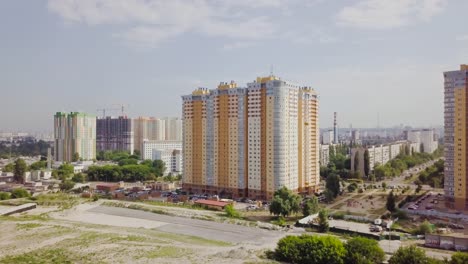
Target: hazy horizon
{"points": [[373, 62]]}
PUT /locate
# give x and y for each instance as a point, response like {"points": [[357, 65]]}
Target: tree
{"points": [[159, 167], [424, 228], [67, 185], [129, 161], [285, 202], [231, 211], [366, 163], [38, 165], [323, 221], [384, 186], [10, 167], [391, 201], [19, 193], [75, 157], [409, 255], [311, 206], [79, 178], [418, 188], [307, 249], [352, 187], [4, 196], [362, 250], [65, 170], [333, 184], [20, 168], [459, 258], [356, 161]]}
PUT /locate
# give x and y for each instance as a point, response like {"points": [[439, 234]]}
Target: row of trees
{"points": [[24, 148], [327, 250], [285, 203], [307, 249], [433, 175], [117, 155], [127, 171]]}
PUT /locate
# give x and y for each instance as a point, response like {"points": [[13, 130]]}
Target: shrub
{"points": [[231, 211], [310, 249], [19, 193], [4, 196], [362, 250]]}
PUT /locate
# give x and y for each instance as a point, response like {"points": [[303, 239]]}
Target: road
{"points": [[399, 181], [200, 228]]}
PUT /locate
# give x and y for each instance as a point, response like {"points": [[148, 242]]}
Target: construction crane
{"points": [[121, 109]]}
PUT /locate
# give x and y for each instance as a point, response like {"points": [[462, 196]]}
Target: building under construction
{"points": [[114, 133]]}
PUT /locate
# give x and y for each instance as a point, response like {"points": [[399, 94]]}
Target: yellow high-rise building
{"points": [[455, 138], [249, 142]]}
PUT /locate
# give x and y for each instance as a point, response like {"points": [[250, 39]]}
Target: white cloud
{"points": [[387, 14], [149, 22]]}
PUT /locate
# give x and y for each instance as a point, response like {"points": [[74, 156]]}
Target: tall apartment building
{"points": [[455, 138], [147, 128], [251, 141], [74, 133], [173, 128], [328, 137], [424, 137], [114, 134]]}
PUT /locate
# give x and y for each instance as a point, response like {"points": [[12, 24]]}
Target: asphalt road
{"points": [[200, 228]]}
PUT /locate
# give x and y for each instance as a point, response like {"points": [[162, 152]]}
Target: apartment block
{"points": [[251, 141], [455, 138], [324, 155], [150, 145], [114, 134], [74, 133], [425, 138], [147, 128]]}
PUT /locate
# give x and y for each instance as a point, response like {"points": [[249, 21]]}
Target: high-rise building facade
{"points": [[114, 134], [173, 128], [251, 141], [455, 138], [147, 128], [74, 133]]}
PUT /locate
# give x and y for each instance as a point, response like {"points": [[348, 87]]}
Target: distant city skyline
{"points": [[370, 61]]}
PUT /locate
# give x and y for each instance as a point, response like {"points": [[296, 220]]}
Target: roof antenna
{"points": [[271, 70]]}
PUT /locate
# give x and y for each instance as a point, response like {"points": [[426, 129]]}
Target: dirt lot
{"points": [[91, 233]]}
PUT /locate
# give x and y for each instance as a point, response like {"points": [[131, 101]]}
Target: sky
{"points": [[372, 61]]}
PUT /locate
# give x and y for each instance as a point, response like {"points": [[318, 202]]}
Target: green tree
{"points": [[459, 258], [67, 185], [424, 228], [409, 255], [75, 157], [4, 196], [307, 249], [311, 206], [129, 161], [285, 202], [362, 250], [333, 184], [65, 170], [231, 211], [159, 167], [352, 187], [79, 178], [10, 167], [384, 186], [20, 168], [366, 163], [19, 193], [391, 202], [356, 161], [38, 165], [323, 221]]}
